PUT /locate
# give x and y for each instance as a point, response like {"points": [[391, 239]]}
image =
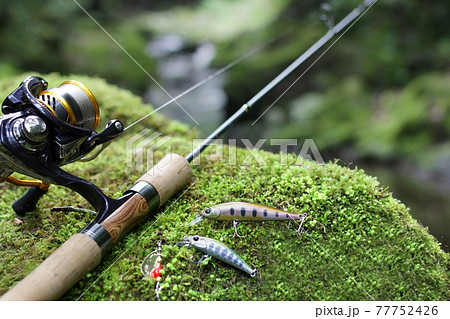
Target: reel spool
{"points": [[73, 103]]}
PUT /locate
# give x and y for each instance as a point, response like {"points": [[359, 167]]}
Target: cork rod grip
{"points": [[171, 174], [51, 279]]}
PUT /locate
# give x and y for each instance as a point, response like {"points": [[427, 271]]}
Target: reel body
{"points": [[42, 130]]}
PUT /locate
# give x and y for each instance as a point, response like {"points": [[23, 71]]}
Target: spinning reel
{"points": [[43, 129]]}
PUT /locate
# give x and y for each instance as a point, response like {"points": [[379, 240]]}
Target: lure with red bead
{"points": [[156, 271]]}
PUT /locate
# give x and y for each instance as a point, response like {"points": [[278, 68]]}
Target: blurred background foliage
{"points": [[379, 98]]}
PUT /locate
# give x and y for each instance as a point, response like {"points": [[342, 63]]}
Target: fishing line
{"points": [[195, 86], [240, 59], [137, 239], [367, 4], [323, 249], [351, 277], [134, 60], [356, 13]]}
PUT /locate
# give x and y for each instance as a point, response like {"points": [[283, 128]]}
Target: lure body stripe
{"points": [[242, 211], [219, 251]]}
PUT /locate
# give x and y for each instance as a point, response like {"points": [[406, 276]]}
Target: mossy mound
{"points": [[359, 242]]}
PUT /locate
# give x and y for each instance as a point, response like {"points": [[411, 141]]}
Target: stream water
{"points": [[180, 67], [427, 199]]}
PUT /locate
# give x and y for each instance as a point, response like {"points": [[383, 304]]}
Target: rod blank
{"points": [[355, 13]]}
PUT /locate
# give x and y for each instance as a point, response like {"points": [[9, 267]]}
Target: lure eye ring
{"points": [[208, 210]]}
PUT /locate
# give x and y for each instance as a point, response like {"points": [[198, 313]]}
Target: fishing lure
{"points": [[218, 250], [151, 267], [242, 211]]}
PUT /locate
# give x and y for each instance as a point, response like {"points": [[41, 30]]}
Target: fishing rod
{"points": [[33, 117]]}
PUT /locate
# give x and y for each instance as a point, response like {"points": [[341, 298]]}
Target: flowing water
{"points": [[427, 199], [180, 67]]}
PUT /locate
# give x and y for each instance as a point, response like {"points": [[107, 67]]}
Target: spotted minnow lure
{"points": [[242, 211], [218, 250]]}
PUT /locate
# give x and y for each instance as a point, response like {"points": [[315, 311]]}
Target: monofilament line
{"points": [[134, 60], [134, 243], [356, 13], [197, 85], [316, 46], [343, 269], [247, 55], [326, 252]]}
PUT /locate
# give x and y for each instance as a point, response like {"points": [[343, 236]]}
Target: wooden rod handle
{"points": [[153, 189], [51, 279], [134, 211]]}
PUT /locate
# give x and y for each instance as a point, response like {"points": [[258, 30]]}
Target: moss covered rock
{"points": [[358, 243]]}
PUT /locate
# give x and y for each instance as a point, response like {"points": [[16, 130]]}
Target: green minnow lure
{"points": [[242, 211], [218, 250]]}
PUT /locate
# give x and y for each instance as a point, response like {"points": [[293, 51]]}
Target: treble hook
{"points": [[255, 275], [204, 257], [326, 15], [235, 224], [157, 290], [300, 229], [187, 243], [198, 218]]}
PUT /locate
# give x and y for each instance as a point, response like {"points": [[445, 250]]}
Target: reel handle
{"points": [[28, 201]]}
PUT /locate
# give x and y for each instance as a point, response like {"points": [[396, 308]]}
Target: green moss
{"points": [[359, 243]]}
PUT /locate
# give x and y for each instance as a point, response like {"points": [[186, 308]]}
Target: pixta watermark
{"points": [[308, 151], [141, 147]]}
